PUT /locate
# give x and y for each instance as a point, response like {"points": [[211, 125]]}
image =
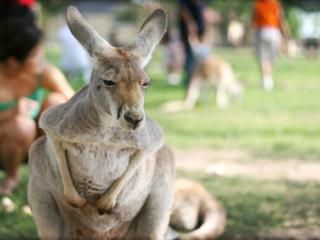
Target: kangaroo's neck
{"points": [[93, 106]]}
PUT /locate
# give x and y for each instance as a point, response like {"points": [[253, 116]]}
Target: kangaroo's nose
{"points": [[134, 120]]}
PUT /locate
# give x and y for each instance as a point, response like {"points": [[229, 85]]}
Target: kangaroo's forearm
{"points": [[68, 187], [134, 163]]}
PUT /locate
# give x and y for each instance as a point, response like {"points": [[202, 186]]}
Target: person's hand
{"points": [[25, 106]]}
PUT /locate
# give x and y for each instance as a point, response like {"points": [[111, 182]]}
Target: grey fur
{"points": [[102, 171]]}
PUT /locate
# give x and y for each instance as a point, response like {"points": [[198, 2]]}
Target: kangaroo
{"points": [[195, 212], [209, 72], [102, 171]]}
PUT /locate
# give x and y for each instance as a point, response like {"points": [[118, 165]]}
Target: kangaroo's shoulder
{"points": [[153, 125], [154, 130], [63, 117]]}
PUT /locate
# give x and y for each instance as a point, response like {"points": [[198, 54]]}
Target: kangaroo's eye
{"points": [[146, 84], [108, 82]]}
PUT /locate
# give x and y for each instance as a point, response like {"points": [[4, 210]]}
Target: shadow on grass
{"points": [[255, 208]]}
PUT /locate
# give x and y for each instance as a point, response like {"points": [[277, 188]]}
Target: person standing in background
{"points": [[268, 21], [192, 27]]}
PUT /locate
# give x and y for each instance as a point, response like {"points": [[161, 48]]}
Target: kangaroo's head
{"points": [[118, 81]]}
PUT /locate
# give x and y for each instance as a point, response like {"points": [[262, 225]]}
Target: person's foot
{"points": [[267, 82], [8, 185]]}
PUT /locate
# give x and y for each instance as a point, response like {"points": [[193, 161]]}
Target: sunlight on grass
{"points": [[282, 123]]}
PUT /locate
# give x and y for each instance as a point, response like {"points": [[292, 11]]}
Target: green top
{"points": [[36, 95]]}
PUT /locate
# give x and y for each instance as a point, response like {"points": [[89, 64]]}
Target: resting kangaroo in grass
{"points": [[102, 171], [196, 213]]}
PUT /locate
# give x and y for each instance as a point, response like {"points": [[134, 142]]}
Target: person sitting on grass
{"points": [[23, 77]]}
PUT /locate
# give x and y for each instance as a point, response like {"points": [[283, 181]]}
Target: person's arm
{"points": [[189, 21], [54, 80], [284, 26]]}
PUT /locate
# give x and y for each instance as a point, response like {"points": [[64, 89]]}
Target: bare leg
{"points": [[193, 93], [266, 51], [266, 67], [12, 155], [16, 137], [267, 81], [153, 219]]}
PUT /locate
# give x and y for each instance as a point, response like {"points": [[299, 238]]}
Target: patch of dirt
{"points": [[230, 163], [294, 234]]}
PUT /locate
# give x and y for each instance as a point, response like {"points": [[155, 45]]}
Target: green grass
{"points": [[280, 124], [17, 225], [254, 207]]}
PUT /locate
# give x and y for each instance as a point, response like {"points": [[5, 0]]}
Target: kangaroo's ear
{"points": [[150, 34], [85, 34]]}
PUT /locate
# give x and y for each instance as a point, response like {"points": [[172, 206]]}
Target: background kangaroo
{"points": [[101, 171], [208, 73], [196, 214]]}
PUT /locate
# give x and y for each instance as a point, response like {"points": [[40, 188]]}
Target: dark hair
{"points": [[17, 38], [12, 9]]}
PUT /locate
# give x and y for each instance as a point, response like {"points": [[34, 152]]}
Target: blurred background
{"points": [[260, 156]]}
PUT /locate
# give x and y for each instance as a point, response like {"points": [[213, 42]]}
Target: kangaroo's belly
{"points": [[129, 204]]}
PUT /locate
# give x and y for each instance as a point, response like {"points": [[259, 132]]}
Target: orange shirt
{"points": [[266, 13]]}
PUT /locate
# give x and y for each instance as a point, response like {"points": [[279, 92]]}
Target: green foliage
{"points": [[293, 21], [53, 6], [242, 8], [127, 13], [306, 5]]}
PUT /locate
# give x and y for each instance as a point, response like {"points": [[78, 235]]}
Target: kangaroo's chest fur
{"points": [[94, 167]]}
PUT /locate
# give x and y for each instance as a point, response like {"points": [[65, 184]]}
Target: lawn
{"points": [[256, 208], [281, 124]]}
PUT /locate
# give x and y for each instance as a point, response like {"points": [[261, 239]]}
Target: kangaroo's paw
{"points": [[76, 200], [106, 203]]}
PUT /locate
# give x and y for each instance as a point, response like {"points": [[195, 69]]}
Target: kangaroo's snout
{"points": [[134, 118]]}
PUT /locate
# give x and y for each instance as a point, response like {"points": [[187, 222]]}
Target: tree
{"points": [[306, 5]]}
